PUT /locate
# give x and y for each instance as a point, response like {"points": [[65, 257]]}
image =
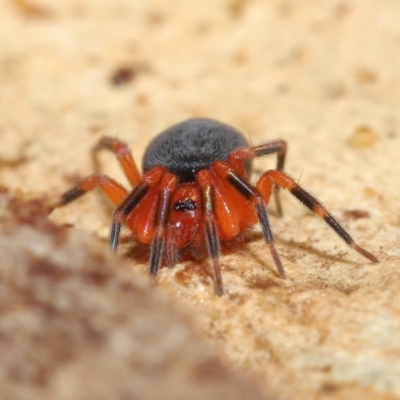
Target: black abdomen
{"points": [[192, 145]]}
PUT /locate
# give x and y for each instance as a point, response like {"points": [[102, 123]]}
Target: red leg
{"points": [[225, 208], [114, 191], [207, 183], [131, 202], [142, 219], [224, 170], [240, 156], [124, 156], [270, 178], [167, 186]]}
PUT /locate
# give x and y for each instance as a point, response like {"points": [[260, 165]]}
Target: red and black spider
{"points": [[195, 192]]}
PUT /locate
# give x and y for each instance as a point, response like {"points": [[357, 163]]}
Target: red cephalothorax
{"points": [[195, 192]]}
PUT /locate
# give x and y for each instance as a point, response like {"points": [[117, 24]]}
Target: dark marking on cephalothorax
{"points": [[185, 205]]}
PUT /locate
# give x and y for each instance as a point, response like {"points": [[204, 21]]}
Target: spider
{"points": [[195, 192]]}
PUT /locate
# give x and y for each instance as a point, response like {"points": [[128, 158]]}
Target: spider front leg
{"points": [[273, 177], [238, 157], [131, 201], [243, 186], [167, 187], [206, 182], [165, 184]]}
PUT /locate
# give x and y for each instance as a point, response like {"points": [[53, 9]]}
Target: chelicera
{"points": [[195, 192]]}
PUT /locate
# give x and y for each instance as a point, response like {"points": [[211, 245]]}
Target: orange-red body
{"points": [[185, 230]]}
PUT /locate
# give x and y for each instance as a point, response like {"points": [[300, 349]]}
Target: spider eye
{"points": [[185, 205]]}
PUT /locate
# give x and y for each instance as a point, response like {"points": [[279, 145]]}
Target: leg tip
{"points": [[277, 261], [219, 290], [366, 254]]}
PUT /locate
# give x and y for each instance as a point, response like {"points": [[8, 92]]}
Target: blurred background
{"points": [[323, 75]]}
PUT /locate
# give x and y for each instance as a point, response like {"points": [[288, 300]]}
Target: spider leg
{"points": [[206, 182], [131, 201], [114, 191], [273, 177], [252, 193], [224, 207], [239, 156], [124, 156], [167, 187]]}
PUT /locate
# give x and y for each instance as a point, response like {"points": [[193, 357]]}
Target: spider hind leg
{"points": [[124, 156], [238, 158]]}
